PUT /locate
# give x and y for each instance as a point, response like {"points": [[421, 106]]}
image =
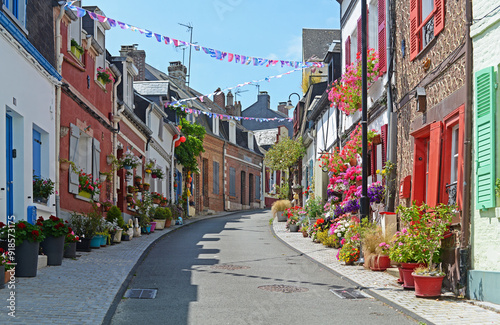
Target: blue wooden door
{"points": [[10, 175], [37, 154]]}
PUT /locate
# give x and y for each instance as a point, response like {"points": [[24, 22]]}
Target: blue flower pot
{"points": [[148, 229], [95, 242], [104, 240]]}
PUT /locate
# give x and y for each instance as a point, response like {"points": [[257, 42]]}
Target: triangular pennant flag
{"points": [[183, 43], [101, 19], [123, 25], [237, 56], [112, 22], [205, 50], [148, 33], [80, 12], [166, 39], [197, 47], [176, 42], [243, 59], [230, 57], [93, 15], [158, 37]]}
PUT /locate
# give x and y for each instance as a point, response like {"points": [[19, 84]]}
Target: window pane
{"points": [[427, 7]]}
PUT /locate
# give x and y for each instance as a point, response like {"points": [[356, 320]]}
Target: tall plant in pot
{"points": [[278, 208], [55, 230], [114, 215], [431, 230], [27, 241]]}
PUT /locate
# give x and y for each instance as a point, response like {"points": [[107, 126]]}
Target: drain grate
{"points": [[349, 293], [229, 267], [283, 288], [140, 293]]}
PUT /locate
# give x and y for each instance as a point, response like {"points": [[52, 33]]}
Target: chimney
{"points": [[282, 108], [178, 71], [264, 96], [230, 98], [139, 57], [220, 98]]}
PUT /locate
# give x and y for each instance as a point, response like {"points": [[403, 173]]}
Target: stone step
{"points": [[42, 261]]}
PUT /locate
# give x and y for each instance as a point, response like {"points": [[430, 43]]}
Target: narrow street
{"points": [[216, 272]]}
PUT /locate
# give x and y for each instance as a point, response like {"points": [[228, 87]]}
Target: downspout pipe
{"points": [[391, 115], [114, 186], [224, 175], [466, 195], [59, 61]]}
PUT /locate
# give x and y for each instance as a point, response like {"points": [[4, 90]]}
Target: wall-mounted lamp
{"points": [[421, 100], [289, 103]]}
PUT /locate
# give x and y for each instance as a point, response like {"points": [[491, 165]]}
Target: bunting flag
{"points": [[232, 117], [217, 54]]}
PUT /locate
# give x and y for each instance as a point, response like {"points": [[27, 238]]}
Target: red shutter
{"points": [[434, 164], [382, 64], [278, 178], [438, 16], [374, 163], [267, 180], [348, 51], [359, 36], [414, 22], [383, 135]]}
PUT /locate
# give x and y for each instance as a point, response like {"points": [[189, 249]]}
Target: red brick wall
{"points": [[213, 152]]}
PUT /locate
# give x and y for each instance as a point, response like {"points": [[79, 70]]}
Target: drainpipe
{"points": [[466, 211], [59, 60], [391, 115], [224, 175], [114, 185]]}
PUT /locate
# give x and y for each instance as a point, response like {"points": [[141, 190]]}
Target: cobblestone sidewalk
{"points": [[446, 310], [80, 291]]}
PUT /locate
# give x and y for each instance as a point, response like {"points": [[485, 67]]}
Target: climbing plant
{"points": [[187, 151]]}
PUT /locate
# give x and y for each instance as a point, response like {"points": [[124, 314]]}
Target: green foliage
{"points": [[115, 215], [314, 208], [187, 152], [285, 154], [497, 188], [161, 213], [143, 208], [283, 191]]}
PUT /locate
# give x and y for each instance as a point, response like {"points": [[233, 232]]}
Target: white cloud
{"points": [[294, 50]]}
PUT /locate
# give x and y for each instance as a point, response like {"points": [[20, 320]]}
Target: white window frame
{"points": [[20, 19], [454, 154]]}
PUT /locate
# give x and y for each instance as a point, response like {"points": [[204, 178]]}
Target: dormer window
{"points": [[232, 131], [250, 140], [215, 125], [17, 10]]}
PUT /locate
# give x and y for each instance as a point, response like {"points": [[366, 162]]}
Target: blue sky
{"points": [[257, 28]]}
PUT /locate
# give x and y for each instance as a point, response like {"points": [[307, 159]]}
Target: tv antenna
{"points": [[189, 27], [238, 92]]}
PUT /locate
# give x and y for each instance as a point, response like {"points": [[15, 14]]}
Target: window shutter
{"points": [[434, 164], [359, 35], [383, 135], [232, 181], [485, 138], [37, 153], [414, 22], [267, 180], [278, 178], [96, 165], [257, 187], [311, 171], [438, 16], [348, 51], [216, 178], [382, 64], [373, 159], [74, 181]]}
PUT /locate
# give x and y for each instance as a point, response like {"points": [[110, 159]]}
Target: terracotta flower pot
{"points": [[129, 199], [168, 223], [146, 187], [427, 286], [408, 269], [381, 263]]}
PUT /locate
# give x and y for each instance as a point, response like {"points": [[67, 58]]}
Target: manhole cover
{"points": [[283, 288], [140, 293], [349, 293], [229, 267]]}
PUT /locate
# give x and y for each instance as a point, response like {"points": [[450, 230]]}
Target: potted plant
{"points": [[88, 187], [375, 249], [114, 215], [157, 173], [27, 241], [42, 189], [129, 161], [55, 230], [76, 49], [137, 180], [156, 197], [70, 244], [130, 198], [431, 230], [148, 167], [125, 232], [104, 76], [159, 215], [278, 208], [146, 186]]}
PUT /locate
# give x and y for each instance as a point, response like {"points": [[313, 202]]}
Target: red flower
{"points": [[2, 224], [35, 233], [54, 218], [21, 225], [70, 230]]}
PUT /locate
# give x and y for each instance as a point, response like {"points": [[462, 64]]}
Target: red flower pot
{"points": [[381, 263], [427, 286], [407, 269], [400, 280]]}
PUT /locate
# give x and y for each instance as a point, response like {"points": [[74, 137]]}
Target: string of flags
{"points": [[232, 117], [217, 54], [209, 96]]}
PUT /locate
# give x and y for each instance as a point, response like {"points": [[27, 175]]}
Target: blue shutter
{"points": [[485, 138], [311, 173], [37, 154], [179, 185], [216, 178], [232, 181], [257, 187]]}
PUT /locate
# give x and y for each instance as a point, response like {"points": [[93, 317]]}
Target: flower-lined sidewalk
{"points": [[446, 310]]}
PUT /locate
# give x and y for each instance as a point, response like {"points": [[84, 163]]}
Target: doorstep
{"points": [[42, 261]]}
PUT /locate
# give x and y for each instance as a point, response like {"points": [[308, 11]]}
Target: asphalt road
{"points": [[216, 272]]}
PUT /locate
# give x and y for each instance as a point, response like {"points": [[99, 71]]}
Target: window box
{"points": [[76, 52]]}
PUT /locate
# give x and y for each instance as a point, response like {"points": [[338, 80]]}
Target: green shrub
{"points": [[115, 215]]}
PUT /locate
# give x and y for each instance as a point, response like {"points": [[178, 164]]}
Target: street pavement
{"points": [[232, 270], [88, 289]]}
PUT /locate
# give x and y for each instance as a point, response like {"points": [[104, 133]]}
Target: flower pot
{"points": [[64, 165], [76, 52], [130, 189], [282, 217], [95, 242], [294, 228], [127, 167], [117, 238], [129, 199], [160, 223], [104, 241], [9, 275], [146, 187], [53, 247], [427, 286], [140, 187], [85, 194], [70, 250], [381, 263], [168, 223], [40, 200], [353, 162], [377, 139], [83, 245], [156, 201], [27, 259], [125, 237], [305, 234], [153, 226], [407, 269], [153, 175], [400, 280]]}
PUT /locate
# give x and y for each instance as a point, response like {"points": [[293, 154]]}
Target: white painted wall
{"points": [[35, 105]]}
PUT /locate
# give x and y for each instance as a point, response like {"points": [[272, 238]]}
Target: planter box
{"points": [[160, 223], [282, 217]]}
